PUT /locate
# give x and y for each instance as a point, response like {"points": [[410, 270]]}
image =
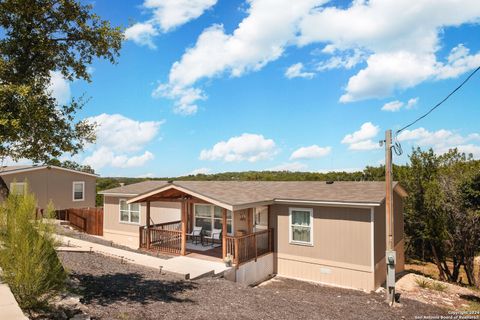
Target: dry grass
{"points": [[430, 270]]}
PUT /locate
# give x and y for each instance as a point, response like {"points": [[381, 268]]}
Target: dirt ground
{"points": [[112, 290]]}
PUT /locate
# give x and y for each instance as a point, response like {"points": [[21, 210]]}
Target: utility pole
{"points": [[390, 254]]}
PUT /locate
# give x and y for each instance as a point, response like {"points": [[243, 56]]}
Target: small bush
{"points": [[27, 255], [422, 283], [438, 286]]}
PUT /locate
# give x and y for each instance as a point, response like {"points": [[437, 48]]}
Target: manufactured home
{"points": [[327, 232], [65, 188]]}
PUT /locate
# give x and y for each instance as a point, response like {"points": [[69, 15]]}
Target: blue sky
{"points": [[214, 85]]}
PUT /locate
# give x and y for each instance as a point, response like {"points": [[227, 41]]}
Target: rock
{"points": [[70, 301], [380, 290], [80, 316]]}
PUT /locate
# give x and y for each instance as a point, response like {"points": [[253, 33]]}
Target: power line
{"points": [[438, 104]]}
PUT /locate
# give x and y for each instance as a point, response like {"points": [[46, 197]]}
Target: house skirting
{"points": [[127, 239], [252, 272], [342, 275]]}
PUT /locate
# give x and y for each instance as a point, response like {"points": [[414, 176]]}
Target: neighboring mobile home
{"points": [[65, 188], [331, 233]]}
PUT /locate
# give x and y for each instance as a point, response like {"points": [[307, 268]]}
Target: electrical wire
{"points": [[440, 103], [397, 147]]}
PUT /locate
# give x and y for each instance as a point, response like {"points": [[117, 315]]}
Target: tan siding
{"points": [[56, 185], [341, 251], [238, 224], [128, 233]]}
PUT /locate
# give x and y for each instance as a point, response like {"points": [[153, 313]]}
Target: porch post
{"points": [[148, 224], [224, 233], [250, 220], [184, 228]]}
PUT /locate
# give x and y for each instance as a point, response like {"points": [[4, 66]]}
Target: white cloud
{"points": [[393, 106], [142, 34], [402, 47], [397, 105], [103, 157], [442, 140], [310, 152], [459, 61], [166, 16], [386, 72], [362, 139], [169, 14], [59, 88], [118, 137], [400, 50], [260, 38], [185, 98], [412, 103], [289, 166], [246, 147], [296, 71], [346, 61], [200, 171]]}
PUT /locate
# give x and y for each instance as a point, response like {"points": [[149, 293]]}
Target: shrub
{"points": [[422, 283], [438, 286], [27, 255]]}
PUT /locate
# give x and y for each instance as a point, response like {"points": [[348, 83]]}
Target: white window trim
{"points": [[129, 213], [23, 184], [296, 242], [212, 215], [83, 190]]}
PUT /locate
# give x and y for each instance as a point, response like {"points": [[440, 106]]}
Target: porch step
{"points": [[196, 268]]}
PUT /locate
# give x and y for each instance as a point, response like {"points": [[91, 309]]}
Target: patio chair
{"points": [[195, 235], [214, 235]]}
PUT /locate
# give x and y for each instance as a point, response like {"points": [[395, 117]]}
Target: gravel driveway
{"points": [[112, 290]]}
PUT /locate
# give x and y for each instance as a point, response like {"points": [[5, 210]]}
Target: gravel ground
{"points": [[112, 290], [70, 232]]}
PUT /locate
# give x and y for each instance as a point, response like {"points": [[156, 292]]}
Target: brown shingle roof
{"points": [[243, 192]]}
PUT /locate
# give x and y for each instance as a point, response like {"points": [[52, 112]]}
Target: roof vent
{"points": [[329, 182], [170, 181], [122, 184]]}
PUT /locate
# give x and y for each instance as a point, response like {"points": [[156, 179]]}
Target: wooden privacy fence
{"points": [[88, 220], [250, 246], [166, 237]]}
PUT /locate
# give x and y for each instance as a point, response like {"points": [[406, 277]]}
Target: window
{"points": [[301, 222], [261, 218], [129, 213], [78, 190], [18, 188], [207, 216]]}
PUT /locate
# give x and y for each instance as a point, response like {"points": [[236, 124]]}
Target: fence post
{"points": [[236, 253], [255, 245]]}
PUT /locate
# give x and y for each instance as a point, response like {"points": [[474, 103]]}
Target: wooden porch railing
{"points": [[249, 247], [166, 237]]}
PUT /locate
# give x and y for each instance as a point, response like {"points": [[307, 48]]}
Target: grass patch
{"points": [[422, 283], [438, 286]]}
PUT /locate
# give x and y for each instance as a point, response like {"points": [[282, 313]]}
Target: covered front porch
{"points": [[208, 228]]}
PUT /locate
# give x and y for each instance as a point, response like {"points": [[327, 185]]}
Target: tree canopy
{"points": [[37, 38]]}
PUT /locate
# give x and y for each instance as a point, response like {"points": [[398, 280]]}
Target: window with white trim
{"points": [[129, 212], [301, 226], [78, 190], [18, 188], [208, 216]]}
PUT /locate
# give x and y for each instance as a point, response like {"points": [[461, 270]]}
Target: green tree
{"points": [[70, 165], [39, 37], [27, 255]]}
